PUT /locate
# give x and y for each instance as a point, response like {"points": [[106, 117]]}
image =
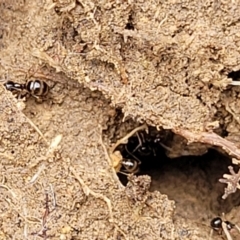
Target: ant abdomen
{"points": [[37, 88]]}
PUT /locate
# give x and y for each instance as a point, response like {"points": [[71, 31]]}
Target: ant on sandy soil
{"points": [[135, 147], [36, 88], [145, 147], [123, 165], [220, 226]]}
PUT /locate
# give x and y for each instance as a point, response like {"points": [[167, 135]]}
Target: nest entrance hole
{"points": [[235, 75], [191, 181]]}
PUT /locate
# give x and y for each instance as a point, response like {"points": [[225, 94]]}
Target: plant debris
{"points": [[170, 64], [232, 181]]}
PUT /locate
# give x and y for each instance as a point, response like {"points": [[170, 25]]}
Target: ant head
{"points": [[229, 225], [12, 86]]}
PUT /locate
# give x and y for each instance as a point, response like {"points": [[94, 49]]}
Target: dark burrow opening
{"points": [[191, 181], [235, 75]]}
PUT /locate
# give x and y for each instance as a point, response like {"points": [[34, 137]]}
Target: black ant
{"points": [[218, 225], [36, 88], [130, 165]]}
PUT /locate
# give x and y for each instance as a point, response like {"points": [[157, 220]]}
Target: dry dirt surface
{"points": [[161, 78]]}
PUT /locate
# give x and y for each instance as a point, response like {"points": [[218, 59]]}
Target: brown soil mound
{"points": [[112, 66]]}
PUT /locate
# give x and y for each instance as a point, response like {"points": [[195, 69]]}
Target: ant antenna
{"points": [[131, 154]]}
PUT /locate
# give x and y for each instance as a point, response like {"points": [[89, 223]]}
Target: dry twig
{"points": [[232, 181], [210, 138]]}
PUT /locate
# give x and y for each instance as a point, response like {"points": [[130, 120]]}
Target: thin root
{"points": [[124, 140], [210, 138], [37, 174], [227, 233], [37, 129], [110, 163], [88, 191], [5, 155], [116, 230], [9, 189], [111, 155]]}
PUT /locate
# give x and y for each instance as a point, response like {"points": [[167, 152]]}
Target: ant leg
{"points": [[210, 235], [123, 173], [225, 230], [131, 154], [54, 84], [22, 95], [139, 143], [37, 99]]}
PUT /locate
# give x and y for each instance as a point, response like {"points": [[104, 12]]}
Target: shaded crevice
{"points": [[130, 25], [235, 75], [191, 180]]}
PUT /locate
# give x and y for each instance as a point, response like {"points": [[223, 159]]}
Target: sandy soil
{"points": [[112, 66]]}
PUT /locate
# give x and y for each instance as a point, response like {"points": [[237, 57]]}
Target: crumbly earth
{"points": [[40, 184], [165, 63]]}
